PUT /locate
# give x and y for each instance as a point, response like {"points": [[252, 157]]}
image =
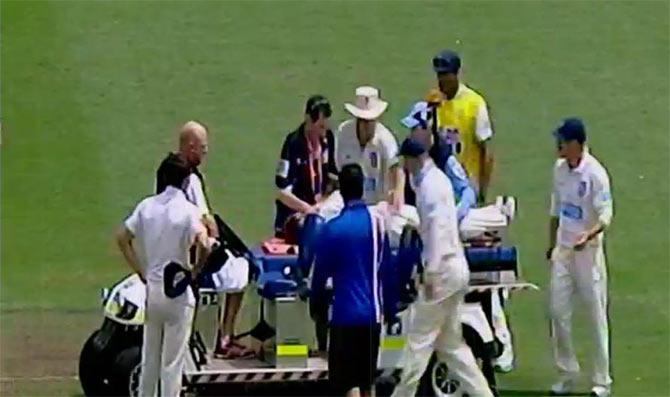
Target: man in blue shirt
{"points": [[352, 250]]}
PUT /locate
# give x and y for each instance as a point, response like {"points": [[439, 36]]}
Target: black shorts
{"points": [[352, 357]]}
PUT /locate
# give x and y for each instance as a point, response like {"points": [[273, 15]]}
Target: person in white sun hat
{"points": [[365, 141]]}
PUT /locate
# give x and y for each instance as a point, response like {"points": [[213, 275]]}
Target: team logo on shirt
{"points": [[581, 189], [373, 159]]}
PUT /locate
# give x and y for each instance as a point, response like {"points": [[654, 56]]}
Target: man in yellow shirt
{"points": [[463, 121]]}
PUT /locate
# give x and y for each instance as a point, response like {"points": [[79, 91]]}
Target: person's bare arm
{"points": [[124, 239], [203, 249], [210, 223], [293, 202], [484, 134], [397, 186]]}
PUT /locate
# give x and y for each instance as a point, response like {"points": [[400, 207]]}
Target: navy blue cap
{"points": [[412, 148], [176, 279], [571, 129], [447, 61]]}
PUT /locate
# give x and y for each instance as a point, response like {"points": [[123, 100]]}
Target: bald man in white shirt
{"points": [[193, 148]]}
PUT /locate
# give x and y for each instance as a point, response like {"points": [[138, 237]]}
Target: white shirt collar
{"points": [[171, 191], [375, 137]]}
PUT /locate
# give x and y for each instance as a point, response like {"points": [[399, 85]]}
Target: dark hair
{"points": [[176, 171], [316, 105], [351, 182]]}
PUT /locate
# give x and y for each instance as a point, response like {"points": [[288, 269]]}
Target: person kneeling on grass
{"points": [[351, 251]]}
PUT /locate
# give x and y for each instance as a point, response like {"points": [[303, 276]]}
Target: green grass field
{"points": [[92, 94]]}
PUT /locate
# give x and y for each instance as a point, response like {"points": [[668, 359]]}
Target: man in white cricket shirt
{"points": [[434, 320], [155, 241], [581, 209], [364, 140]]}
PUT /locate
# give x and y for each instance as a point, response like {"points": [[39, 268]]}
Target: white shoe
{"points": [[500, 201], [509, 208], [562, 387], [503, 368], [600, 391], [505, 363]]}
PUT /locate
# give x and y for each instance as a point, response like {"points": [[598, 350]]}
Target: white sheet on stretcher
{"points": [[481, 220], [476, 222]]}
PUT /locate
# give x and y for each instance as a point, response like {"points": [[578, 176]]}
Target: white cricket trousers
{"points": [[167, 328], [481, 220], [582, 273], [501, 329], [436, 326]]}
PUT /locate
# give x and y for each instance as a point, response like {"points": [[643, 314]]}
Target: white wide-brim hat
{"points": [[368, 104]]}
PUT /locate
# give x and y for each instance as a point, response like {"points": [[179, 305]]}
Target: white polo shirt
{"points": [[581, 197], [376, 158], [164, 227]]}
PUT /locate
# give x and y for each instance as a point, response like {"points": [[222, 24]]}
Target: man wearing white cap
{"points": [[367, 142]]}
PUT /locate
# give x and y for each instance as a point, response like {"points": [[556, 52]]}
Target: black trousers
{"points": [[352, 357]]}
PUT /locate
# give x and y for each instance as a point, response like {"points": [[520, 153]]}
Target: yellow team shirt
{"points": [[463, 122]]}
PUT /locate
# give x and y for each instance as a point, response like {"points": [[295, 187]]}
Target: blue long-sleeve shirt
{"points": [[463, 191], [353, 250]]}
